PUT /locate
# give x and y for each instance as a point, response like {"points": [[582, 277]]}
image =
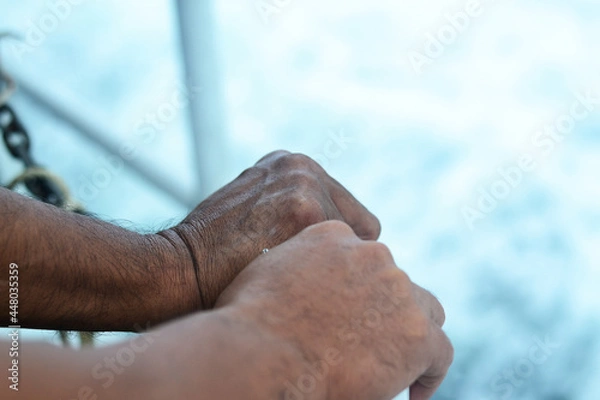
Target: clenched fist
{"points": [[362, 328], [265, 206], [323, 316]]}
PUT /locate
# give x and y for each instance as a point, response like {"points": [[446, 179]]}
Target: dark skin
{"points": [[85, 274], [267, 318], [265, 206]]}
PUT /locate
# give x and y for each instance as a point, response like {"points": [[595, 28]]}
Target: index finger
{"points": [[363, 222]]}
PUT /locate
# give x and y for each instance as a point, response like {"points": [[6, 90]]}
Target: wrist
{"points": [[153, 286], [189, 240], [175, 292]]}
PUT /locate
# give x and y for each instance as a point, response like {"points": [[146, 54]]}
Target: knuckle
{"points": [[304, 180], [294, 161], [253, 172], [379, 252], [434, 307], [272, 157], [397, 284], [277, 154], [304, 211], [280, 153], [417, 328], [401, 282]]}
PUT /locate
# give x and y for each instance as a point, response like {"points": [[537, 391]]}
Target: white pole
{"points": [[202, 68]]}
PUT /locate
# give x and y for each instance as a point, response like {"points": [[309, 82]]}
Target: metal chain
{"points": [[40, 182]]}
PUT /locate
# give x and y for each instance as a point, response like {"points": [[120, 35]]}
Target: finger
{"points": [[332, 213], [363, 222], [430, 305], [442, 356]]}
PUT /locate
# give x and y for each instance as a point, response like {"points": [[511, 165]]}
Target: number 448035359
{"points": [[13, 302]]}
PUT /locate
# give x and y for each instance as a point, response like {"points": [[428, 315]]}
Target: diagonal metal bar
{"points": [[100, 138]]}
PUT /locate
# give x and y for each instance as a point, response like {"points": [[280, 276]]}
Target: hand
{"points": [[324, 316], [364, 329], [265, 206]]}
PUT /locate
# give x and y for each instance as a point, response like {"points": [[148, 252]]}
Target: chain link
{"points": [[43, 186]]}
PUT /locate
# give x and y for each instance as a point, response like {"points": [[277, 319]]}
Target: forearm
{"points": [[76, 272], [223, 354], [206, 356], [43, 371]]}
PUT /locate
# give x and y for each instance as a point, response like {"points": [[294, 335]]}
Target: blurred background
{"points": [[470, 128]]}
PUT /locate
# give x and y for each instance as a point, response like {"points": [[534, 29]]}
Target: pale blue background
{"points": [[423, 144]]}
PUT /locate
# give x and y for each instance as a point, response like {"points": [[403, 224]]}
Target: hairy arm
{"points": [[78, 273], [213, 355], [297, 323]]}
